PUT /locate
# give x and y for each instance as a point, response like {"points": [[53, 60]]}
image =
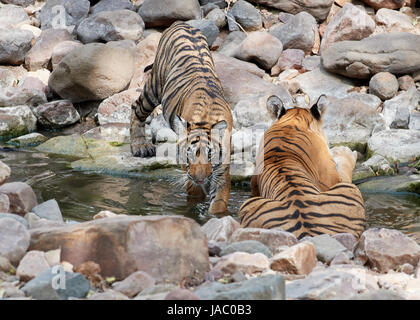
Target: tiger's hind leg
{"points": [[141, 109], [345, 160]]}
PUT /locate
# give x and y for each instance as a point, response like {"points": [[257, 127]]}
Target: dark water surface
{"points": [[81, 195]]}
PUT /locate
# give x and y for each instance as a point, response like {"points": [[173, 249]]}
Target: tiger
{"points": [[183, 80], [299, 184]]}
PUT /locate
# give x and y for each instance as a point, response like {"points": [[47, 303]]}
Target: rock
{"points": [[63, 14], [397, 53], [157, 292], [107, 26], [4, 203], [17, 96], [40, 54], [298, 259], [207, 27], [323, 285], [117, 108], [397, 111], [21, 196], [10, 291], [406, 82], [4, 172], [390, 4], [48, 210], [379, 164], [53, 257], [396, 144], [5, 265], [407, 268], [7, 78], [218, 17], [400, 183], [349, 23], [289, 59], [109, 69], [270, 287], [414, 123], [14, 240], [388, 20], [346, 239], [378, 295], [340, 259], [181, 294], [28, 140], [165, 241], [57, 114], [15, 217], [134, 283], [108, 295], [261, 47], [16, 121], [67, 285], [297, 33], [220, 229], [22, 3], [383, 85], [246, 15], [350, 121], [14, 45], [35, 83], [163, 13], [311, 62], [32, 264], [12, 15], [244, 262], [61, 50], [387, 249], [112, 5], [368, 99], [327, 247], [248, 246]]}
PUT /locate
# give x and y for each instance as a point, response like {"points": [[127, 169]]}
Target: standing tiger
{"points": [[298, 185], [183, 80]]}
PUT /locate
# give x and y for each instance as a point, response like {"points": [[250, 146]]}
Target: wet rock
{"points": [[4, 203], [397, 111], [165, 241], [246, 15], [108, 295], [378, 295], [244, 262], [297, 33], [48, 210], [298, 259], [111, 26], [14, 240], [272, 238], [4, 172], [157, 13], [390, 4], [207, 27], [327, 247], [261, 47], [134, 283], [11, 15], [14, 45], [110, 71], [386, 249], [17, 96], [112, 5], [220, 229], [16, 121], [396, 144], [32, 264], [388, 20], [248, 246], [41, 288], [349, 23], [181, 294], [15, 217], [384, 85], [397, 53], [218, 17], [63, 14], [61, 50], [57, 114], [289, 59], [406, 82], [21, 196], [346, 239], [40, 54], [400, 183]]}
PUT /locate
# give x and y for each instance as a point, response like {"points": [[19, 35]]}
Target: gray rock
{"points": [[396, 52], [397, 111], [112, 5], [232, 24], [388, 20], [16, 121], [289, 59], [414, 120], [311, 62], [61, 50], [14, 240], [368, 99], [15, 96], [406, 82], [156, 292], [57, 114], [22, 3], [60, 14], [157, 13], [41, 287], [134, 283], [249, 246], [218, 17], [378, 295], [7, 78], [231, 43], [11, 15], [111, 26], [327, 247], [48, 210], [271, 287], [246, 15], [220, 3], [384, 85], [4, 203], [28, 140], [297, 33], [400, 183], [16, 217], [272, 238], [14, 45], [207, 27], [220, 229]]}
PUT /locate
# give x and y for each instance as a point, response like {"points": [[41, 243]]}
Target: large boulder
{"points": [[123, 245], [162, 13], [14, 45], [92, 72], [61, 14], [111, 26], [396, 52]]}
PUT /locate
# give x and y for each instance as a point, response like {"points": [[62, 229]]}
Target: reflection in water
{"points": [[82, 195]]}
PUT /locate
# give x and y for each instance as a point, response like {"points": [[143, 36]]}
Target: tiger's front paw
{"points": [[144, 150], [341, 153], [218, 208]]}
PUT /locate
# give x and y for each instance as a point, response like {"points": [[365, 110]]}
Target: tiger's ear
{"points": [[179, 125], [319, 108], [275, 105]]}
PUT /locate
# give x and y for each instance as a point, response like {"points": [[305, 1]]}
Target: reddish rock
{"points": [[386, 249], [181, 294], [298, 259], [123, 245], [406, 82], [32, 264], [21, 196], [220, 229], [346, 239], [134, 283], [289, 59], [245, 262], [390, 4], [57, 114], [272, 238], [117, 108], [91, 271]]}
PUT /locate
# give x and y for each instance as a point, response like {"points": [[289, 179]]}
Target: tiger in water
{"points": [[300, 185], [183, 80]]}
